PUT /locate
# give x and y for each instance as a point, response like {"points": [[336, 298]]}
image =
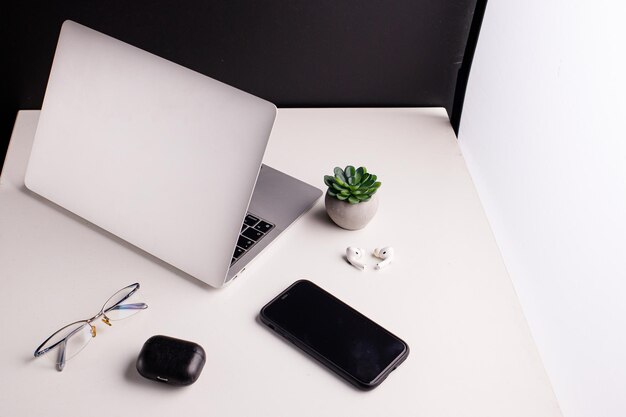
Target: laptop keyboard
{"points": [[253, 230]]}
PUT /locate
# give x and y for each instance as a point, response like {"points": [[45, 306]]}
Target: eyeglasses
{"points": [[71, 339]]}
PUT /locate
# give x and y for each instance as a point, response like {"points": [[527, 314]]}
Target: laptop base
{"points": [[278, 199]]}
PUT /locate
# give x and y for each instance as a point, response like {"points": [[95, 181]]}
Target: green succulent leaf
{"points": [[332, 193], [350, 171], [372, 190], [363, 197], [376, 185], [329, 180], [342, 197], [337, 186], [339, 174], [353, 200], [341, 182], [367, 184], [358, 176], [345, 192]]}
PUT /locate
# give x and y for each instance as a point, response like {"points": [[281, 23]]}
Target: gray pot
{"points": [[351, 216]]}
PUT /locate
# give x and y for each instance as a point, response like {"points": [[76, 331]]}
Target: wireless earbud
{"points": [[386, 254], [353, 255]]}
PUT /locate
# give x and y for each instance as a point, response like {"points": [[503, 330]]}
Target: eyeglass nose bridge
{"points": [[104, 319], [96, 317]]}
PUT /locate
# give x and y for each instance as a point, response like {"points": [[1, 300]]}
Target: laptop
{"points": [[161, 156]]}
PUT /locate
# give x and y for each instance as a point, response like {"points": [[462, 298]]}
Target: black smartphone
{"points": [[335, 334]]}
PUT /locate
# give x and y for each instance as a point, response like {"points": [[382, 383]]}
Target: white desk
{"points": [[447, 293]]}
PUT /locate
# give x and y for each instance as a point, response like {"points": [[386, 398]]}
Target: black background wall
{"points": [[294, 53]]}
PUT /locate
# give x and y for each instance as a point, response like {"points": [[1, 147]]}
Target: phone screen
{"points": [[335, 331]]}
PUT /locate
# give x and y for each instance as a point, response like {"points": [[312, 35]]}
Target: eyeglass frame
{"points": [[102, 313]]}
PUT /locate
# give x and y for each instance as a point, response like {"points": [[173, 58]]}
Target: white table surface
{"points": [[447, 293]]}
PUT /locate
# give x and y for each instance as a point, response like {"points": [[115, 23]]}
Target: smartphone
{"points": [[338, 336]]}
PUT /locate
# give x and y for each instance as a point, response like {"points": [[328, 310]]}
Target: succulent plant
{"points": [[352, 185]]}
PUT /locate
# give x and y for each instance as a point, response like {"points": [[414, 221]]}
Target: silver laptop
{"points": [[161, 156]]}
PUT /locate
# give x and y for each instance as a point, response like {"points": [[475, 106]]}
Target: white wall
{"points": [[543, 134]]}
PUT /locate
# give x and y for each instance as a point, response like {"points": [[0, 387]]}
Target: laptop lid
{"points": [[159, 155]]}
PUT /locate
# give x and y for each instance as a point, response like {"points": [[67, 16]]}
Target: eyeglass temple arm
{"points": [[61, 357], [134, 306]]}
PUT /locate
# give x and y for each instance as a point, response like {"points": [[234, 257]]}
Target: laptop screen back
{"points": [[157, 154]]}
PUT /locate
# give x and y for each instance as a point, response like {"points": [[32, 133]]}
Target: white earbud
{"points": [[386, 254], [353, 255]]}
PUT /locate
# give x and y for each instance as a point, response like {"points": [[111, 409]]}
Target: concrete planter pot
{"points": [[351, 216]]}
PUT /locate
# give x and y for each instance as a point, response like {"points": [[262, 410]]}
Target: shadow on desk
{"points": [[319, 215], [111, 236]]}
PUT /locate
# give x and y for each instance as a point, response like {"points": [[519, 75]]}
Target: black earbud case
{"points": [[171, 361]]}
